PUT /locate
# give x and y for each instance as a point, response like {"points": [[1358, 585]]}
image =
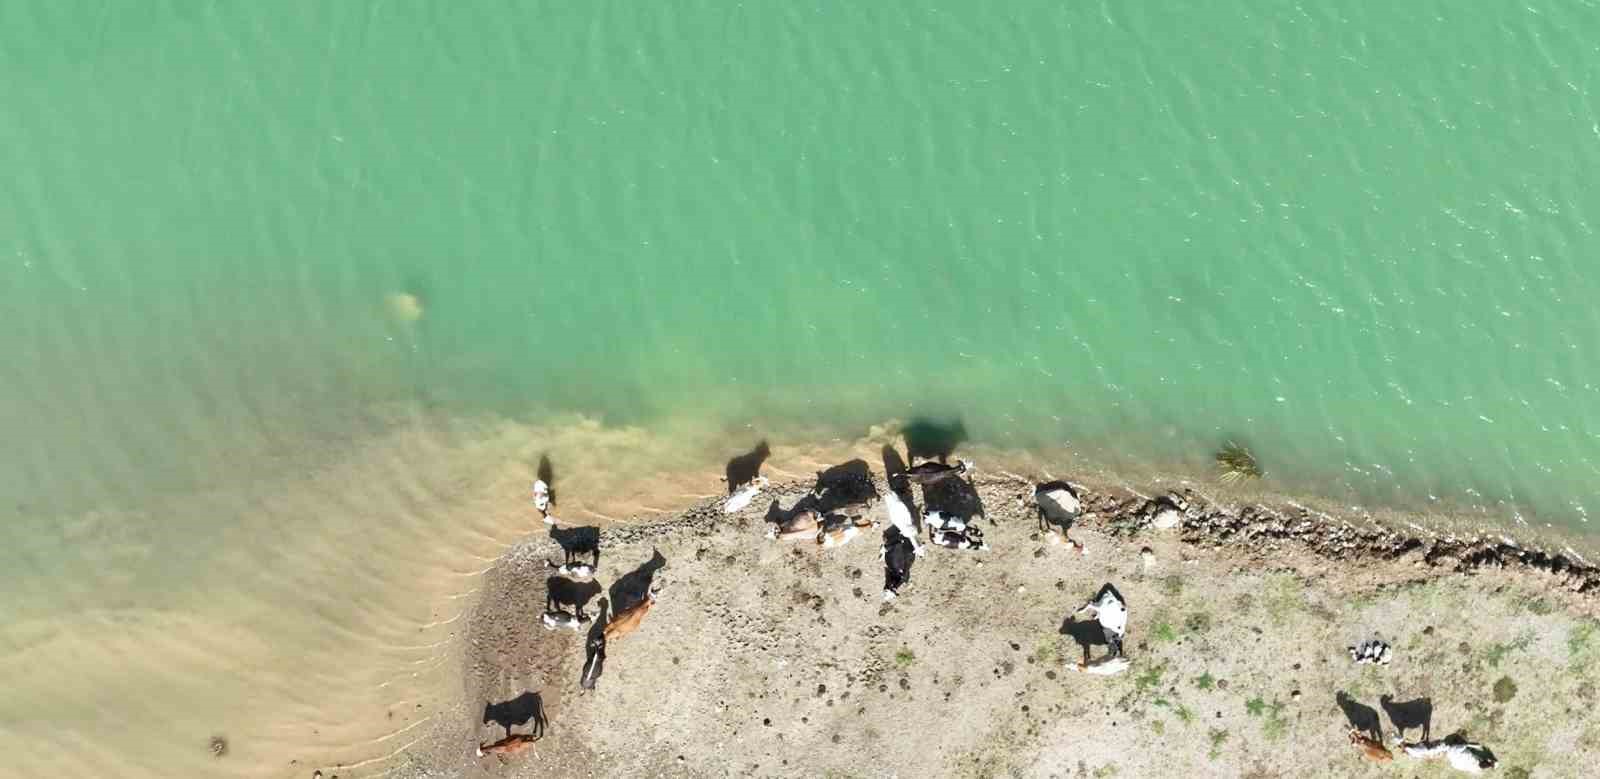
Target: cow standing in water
{"points": [[897, 553]]}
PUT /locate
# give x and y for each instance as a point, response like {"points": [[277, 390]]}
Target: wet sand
{"points": [[767, 658]]}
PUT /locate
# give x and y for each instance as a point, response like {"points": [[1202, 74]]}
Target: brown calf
{"points": [[627, 620], [1372, 748]]}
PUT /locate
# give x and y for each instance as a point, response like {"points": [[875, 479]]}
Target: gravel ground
{"points": [[768, 658]]}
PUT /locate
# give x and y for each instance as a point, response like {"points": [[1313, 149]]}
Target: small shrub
{"points": [[1198, 622], [1497, 653], [1150, 678], [1205, 681], [1274, 728], [1218, 736], [904, 658], [1045, 652], [1172, 586], [1504, 690], [1579, 638]]}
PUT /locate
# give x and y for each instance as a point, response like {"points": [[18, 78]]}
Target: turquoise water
{"points": [[1360, 240]]}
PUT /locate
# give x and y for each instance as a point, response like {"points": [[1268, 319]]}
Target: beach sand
{"points": [[767, 658]]}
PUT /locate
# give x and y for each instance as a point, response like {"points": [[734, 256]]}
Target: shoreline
{"points": [[723, 564]]}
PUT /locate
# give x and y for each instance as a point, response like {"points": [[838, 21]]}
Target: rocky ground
{"points": [[766, 658]]}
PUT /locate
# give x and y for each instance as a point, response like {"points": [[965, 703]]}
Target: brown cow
{"points": [[509, 745], [802, 525], [1371, 747], [627, 620]]}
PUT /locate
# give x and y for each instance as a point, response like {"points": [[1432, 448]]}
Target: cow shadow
{"points": [[777, 514], [953, 497], [894, 470], [931, 440], [561, 591], [1087, 633], [746, 467], [631, 588], [893, 466], [594, 650], [1361, 716], [845, 489], [1405, 715], [547, 474], [578, 542], [525, 708]]}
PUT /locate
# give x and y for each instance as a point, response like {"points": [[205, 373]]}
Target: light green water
{"points": [[1360, 239]]}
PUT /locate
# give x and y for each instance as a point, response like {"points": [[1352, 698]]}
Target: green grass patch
{"points": [[904, 658], [1273, 726], [1164, 632], [1151, 677], [1285, 596], [1045, 652], [1580, 638], [1218, 737], [1172, 586], [1205, 681], [1497, 653], [1184, 714]]}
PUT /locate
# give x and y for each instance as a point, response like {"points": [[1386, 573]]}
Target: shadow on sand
{"points": [[525, 708], [561, 591], [846, 488], [1087, 633], [953, 497], [1406, 715], [630, 588], [1360, 716], [578, 542], [594, 650]]}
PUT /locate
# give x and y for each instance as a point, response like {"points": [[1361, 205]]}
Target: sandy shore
{"points": [[767, 658]]}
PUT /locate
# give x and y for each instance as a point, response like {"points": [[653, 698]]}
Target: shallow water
{"points": [[1358, 241]]}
